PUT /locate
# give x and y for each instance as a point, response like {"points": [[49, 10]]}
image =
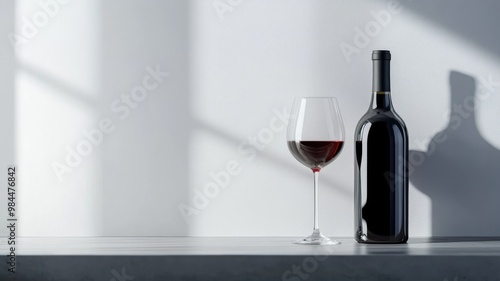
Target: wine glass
{"points": [[315, 137]]}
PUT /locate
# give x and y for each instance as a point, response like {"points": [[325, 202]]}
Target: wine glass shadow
{"points": [[460, 170]]}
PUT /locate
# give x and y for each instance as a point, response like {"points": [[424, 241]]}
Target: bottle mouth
{"points": [[381, 55]]}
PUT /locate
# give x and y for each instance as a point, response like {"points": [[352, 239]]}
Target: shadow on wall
{"points": [[460, 170], [476, 21], [145, 160]]}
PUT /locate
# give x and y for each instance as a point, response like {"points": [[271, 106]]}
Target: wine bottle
{"points": [[381, 165]]}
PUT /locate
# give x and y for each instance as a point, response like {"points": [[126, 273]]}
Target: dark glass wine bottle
{"points": [[381, 165]]}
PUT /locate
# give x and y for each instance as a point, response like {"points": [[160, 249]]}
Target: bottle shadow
{"points": [[460, 170]]}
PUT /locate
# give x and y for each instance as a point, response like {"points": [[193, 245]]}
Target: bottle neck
{"points": [[381, 100], [381, 76], [381, 86]]}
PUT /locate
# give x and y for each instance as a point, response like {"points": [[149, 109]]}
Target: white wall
{"points": [[57, 96], [232, 74], [7, 70]]}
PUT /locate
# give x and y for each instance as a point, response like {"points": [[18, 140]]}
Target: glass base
{"points": [[316, 238]]}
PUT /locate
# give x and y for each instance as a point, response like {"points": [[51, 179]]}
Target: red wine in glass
{"points": [[315, 154]]}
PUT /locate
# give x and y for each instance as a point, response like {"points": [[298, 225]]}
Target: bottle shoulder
{"points": [[377, 115], [387, 118]]}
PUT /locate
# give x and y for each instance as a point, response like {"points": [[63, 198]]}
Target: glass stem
{"points": [[316, 197]]}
